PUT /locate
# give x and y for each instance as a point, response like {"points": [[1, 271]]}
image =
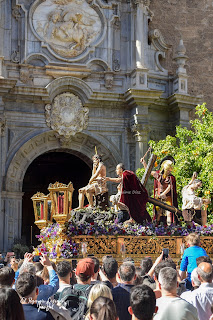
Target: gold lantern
{"points": [[42, 209], [61, 197]]}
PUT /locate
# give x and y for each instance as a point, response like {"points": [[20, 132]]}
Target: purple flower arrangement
{"points": [[53, 245], [149, 229]]}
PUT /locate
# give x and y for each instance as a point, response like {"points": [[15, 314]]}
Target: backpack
{"points": [[75, 301]]}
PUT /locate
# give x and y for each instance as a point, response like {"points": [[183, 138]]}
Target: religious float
{"points": [[67, 233]]}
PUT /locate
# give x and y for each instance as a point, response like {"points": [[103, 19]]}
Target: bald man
{"points": [[202, 298]]}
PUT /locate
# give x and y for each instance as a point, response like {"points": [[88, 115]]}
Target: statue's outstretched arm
{"points": [[194, 176], [117, 180]]}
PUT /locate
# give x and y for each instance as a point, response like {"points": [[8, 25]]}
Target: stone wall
{"points": [[191, 20]]}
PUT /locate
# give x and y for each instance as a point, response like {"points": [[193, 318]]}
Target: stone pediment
{"points": [[68, 28]]}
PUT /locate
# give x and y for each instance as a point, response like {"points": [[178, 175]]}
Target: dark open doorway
{"points": [[49, 168]]}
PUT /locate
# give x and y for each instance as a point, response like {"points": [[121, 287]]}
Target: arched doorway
{"points": [[82, 145], [48, 168]]}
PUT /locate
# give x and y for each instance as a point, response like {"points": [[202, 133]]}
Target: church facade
{"points": [[75, 74]]}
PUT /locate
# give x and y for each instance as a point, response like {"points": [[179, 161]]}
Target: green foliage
{"points": [[193, 151], [140, 172], [20, 249]]}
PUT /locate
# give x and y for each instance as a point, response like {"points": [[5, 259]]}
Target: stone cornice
{"points": [[106, 97], [141, 97], [183, 101], [6, 85], [12, 195], [78, 71], [31, 93]]}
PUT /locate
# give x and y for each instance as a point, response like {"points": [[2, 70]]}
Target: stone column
{"points": [[142, 14], [1, 67], [141, 139], [140, 34], [11, 218]]}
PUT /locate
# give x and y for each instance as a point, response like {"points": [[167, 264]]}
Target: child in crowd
{"points": [[189, 257]]}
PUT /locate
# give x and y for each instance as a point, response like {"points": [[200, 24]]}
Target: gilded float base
{"points": [[137, 247]]}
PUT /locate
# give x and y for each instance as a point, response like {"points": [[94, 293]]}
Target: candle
{"points": [[31, 234], [42, 211], [58, 203]]}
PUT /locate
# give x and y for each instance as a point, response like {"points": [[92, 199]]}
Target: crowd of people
{"points": [[103, 290]]}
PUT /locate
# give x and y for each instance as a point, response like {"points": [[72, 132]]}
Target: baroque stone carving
{"points": [[15, 56], [109, 80], [68, 27], [157, 39], [66, 115], [16, 12], [116, 65], [24, 76], [2, 125]]}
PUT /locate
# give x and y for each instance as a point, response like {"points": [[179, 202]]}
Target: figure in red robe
{"points": [[164, 190], [133, 194]]}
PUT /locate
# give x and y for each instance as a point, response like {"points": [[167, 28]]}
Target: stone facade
{"points": [[75, 74]]}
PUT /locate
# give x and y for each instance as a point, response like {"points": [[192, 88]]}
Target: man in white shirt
{"points": [[202, 298], [170, 306], [186, 295]]}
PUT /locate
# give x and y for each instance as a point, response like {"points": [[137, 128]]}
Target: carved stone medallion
{"points": [[66, 115], [66, 27]]}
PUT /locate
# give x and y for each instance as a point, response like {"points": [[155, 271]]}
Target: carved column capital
{"points": [[140, 131]]}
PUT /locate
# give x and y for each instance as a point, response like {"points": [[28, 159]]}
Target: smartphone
{"points": [[36, 259], [74, 264], [165, 253]]}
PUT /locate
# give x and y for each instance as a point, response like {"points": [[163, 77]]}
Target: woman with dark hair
{"points": [[10, 305], [103, 309]]}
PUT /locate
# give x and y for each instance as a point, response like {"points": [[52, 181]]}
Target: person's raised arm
{"points": [[157, 261], [117, 180], [45, 261], [142, 160]]}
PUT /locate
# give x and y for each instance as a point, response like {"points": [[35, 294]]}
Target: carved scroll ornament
{"points": [[66, 115]]}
